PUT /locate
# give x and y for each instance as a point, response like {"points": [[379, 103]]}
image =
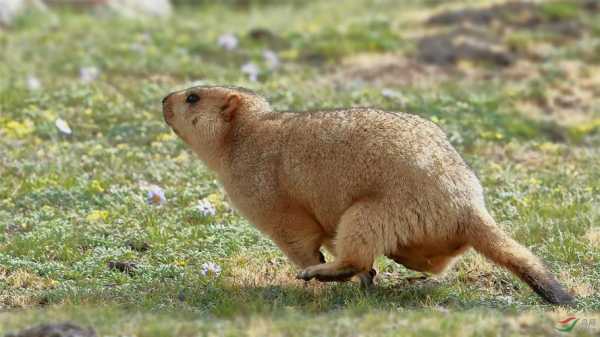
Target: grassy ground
{"points": [[70, 204]]}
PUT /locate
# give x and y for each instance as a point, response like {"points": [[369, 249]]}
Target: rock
{"points": [[386, 70], [516, 15], [138, 246], [137, 8], [261, 34], [124, 267], [462, 44], [268, 38], [498, 22], [65, 329], [10, 9], [126, 8], [486, 15]]}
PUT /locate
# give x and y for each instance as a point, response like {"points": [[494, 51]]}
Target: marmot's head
{"points": [[203, 116]]}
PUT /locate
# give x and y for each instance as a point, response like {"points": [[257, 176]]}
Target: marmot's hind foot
{"points": [[417, 278], [366, 279], [327, 272]]}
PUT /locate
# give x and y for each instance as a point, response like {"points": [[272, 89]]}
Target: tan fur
{"points": [[361, 182]]}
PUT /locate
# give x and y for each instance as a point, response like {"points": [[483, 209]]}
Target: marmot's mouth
{"points": [[168, 115]]}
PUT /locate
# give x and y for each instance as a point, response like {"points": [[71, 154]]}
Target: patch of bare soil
{"points": [[488, 35], [571, 100], [516, 14], [464, 43], [515, 42], [65, 329], [268, 38], [388, 70], [480, 34], [593, 236], [483, 34], [500, 36]]}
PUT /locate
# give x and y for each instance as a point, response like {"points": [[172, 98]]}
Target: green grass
{"points": [[70, 204]]}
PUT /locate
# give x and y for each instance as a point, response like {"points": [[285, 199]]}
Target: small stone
{"points": [[138, 246], [140, 8], [391, 94], [65, 329], [11, 9], [181, 295], [124, 267]]}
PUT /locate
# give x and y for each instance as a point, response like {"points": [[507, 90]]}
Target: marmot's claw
{"points": [[304, 275], [366, 279], [321, 257]]}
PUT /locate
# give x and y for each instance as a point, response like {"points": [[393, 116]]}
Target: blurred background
{"points": [[108, 220], [547, 49]]}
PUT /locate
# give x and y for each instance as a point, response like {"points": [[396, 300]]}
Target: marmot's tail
{"points": [[496, 245]]}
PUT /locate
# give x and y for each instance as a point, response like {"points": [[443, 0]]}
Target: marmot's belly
{"points": [[430, 258]]}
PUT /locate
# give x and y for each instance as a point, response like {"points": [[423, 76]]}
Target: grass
{"points": [[70, 204]]}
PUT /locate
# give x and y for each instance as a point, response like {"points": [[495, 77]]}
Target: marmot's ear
{"points": [[231, 106]]}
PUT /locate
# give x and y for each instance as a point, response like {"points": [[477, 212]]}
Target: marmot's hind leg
{"points": [[356, 246], [365, 278]]}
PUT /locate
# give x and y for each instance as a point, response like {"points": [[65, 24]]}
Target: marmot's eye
{"points": [[192, 98]]}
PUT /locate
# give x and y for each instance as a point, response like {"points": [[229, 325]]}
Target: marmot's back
{"points": [[338, 156], [405, 139]]}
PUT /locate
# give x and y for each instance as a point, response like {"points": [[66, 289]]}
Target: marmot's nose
{"points": [[164, 100], [167, 112]]}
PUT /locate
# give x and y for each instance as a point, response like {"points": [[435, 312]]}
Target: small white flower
{"points": [[210, 269], [88, 74], [198, 83], [271, 59], [206, 208], [137, 47], [33, 83], [63, 126], [389, 93], [441, 309], [386, 274], [507, 298], [228, 41], [156, 195], [251, 70], [145, 37]]}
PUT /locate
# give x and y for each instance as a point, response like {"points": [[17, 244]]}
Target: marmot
{"points": [[361, 182]]}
